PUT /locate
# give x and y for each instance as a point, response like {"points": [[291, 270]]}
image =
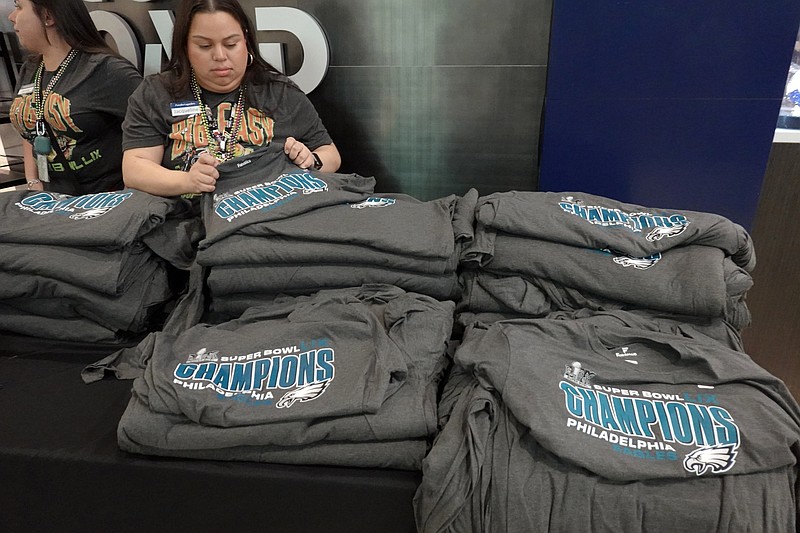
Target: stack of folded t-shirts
{"points": [[342, 377], [86, 268], [605, 423], [275, 229], [538, 252]]}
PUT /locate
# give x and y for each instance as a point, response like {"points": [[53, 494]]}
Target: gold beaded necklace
{"points": [[41, 143], [224, 140]]}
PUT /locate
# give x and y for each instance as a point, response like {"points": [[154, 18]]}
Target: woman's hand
{"points": [[203, 174], [141, 169], [298, 153], [34, 185]]}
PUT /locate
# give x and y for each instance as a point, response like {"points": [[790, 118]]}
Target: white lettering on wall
{"points": [[123, 35], [163, 21], [316, 53]]}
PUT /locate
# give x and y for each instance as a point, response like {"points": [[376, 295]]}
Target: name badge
{"points": [[180, 109], [26, 89]]}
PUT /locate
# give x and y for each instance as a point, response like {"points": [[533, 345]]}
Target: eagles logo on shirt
{"points": [[298, 375], [266, 195], [639, 263], [710, 459], [668, 225], [374, 201], [85, 207], [650, 425], [305, 393]]}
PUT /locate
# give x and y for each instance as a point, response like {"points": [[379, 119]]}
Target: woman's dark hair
{"points": [[258, 70], [73, 22]]}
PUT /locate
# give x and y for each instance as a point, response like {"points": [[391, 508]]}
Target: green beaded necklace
{"points": [[220, 143], [41, 143]]}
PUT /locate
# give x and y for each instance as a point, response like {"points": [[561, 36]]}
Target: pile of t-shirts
{"points": [[343, 377], [87, 268], [273, 228], [538, 252], [605, 423], [601, 382]]}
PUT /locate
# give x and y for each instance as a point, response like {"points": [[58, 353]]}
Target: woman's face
{"points": [[29, 27], [217, 51]]}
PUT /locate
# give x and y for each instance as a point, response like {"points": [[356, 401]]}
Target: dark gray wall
{"points": [[430, 97], [774, 301]]}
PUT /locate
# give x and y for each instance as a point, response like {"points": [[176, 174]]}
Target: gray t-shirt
{"points": [[272, 113], [84, 114], [645, 282], [486, 472], [352, 349], [264, 186], [628, 404], [591, 221], [109, 219]]}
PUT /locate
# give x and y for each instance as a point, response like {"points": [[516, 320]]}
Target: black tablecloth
{"points": [[61, 470]]}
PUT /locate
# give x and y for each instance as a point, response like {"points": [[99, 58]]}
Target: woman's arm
{"points": [[329, 155], [31, 170], [141, 169], [303, 157]]}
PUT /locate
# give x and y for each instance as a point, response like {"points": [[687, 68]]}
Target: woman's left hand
{"points": [[298, 153]]}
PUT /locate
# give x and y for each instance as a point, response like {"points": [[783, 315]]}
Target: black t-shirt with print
{"points": [[84, 113], [273, 112]]}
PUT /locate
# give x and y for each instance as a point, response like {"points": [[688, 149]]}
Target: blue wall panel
{"points": [[666, 103]]}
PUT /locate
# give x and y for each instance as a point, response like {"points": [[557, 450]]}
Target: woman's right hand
{"points": [[141, 169], [203, 173]]}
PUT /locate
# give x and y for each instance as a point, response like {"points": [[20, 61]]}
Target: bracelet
{"points": [[32, 182], [317, 161]]}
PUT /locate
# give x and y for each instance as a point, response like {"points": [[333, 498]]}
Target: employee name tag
{"points": [[25, 89], [179, 109]]}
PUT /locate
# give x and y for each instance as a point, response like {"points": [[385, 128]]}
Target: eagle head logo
{"points": [[659, 233], [90, 213], [641, 263], [713, 459], [303, 394]]}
